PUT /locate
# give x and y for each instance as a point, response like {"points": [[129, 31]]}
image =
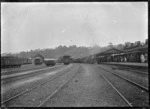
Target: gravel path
{"points": [[87, 89]]}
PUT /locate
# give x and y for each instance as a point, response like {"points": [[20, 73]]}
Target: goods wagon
{"points": [[11, 61], [38, 61], [50, 62], [66, 59]]}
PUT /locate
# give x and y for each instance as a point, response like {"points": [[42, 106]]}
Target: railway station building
{"points": [[135, 54], [38, 56], [109, 55]]}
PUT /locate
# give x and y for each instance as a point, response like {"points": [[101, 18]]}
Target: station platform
{"points": [[129, 64]]}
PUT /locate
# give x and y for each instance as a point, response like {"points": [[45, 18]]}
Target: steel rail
{"points": [[138, 71], [23, 69], [117, 91], [130, 81], [130, 70], [28, 90], [19, 69], [27, 72], [56, 91]]}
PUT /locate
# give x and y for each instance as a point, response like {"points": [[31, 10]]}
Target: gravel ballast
{"points": [[135, 95], [87, 89], [139, 78], [14, 88]]}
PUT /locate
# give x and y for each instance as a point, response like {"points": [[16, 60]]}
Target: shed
{"points": [[38, 56]]}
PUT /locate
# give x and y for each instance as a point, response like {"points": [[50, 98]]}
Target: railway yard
{"points": [[75, 55], [75, 85]]}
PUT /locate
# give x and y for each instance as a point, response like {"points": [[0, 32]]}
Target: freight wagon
{"points": [[50, 62], [11, 61], [38, 61], [66, 59]]}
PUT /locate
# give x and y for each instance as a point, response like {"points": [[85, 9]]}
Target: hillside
{"points": [[73, 51]]}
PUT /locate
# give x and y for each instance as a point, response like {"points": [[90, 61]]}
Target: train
{"points": [[50, 62], [38, 61], [66, 59], [13, 61]]}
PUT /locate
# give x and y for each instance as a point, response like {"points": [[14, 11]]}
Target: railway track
{"points": [[24, 69], [26, 73], [57, 90], [130, 81], [16, 70], [32, 88], [137, 71], [140, 89], [129, 69], [121, 95]]}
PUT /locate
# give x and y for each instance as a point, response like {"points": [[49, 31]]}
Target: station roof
{"points": [[138, 49], [110, 51]]}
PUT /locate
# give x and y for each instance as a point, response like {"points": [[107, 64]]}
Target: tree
{"points": [[137, 43], [120, 46], [132, 44], [110, 44], [146, 42], [127, 44]]}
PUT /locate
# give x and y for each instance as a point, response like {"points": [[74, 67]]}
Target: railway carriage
{"points": [[38, 61], [50, 62], [66, 59], [11, 61]]}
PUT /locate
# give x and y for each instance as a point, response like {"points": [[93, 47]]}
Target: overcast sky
{"points": [[26, 26]]}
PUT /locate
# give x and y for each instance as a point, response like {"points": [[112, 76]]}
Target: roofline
{"points": [[108, 50]]}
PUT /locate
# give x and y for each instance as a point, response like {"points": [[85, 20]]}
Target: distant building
{"points": [[137, 43], [132, 44], [107, 55], [146, 41], [127, 44], [37, 56]]}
